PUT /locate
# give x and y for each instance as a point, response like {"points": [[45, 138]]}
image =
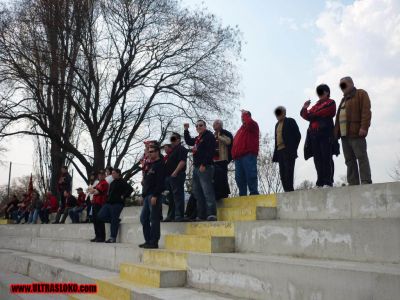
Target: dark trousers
{"points": [[63, 214], [22, 215], [99, 227], [176, 196], [88, 209], [322, 150], [44, 215], [221, 184], [286, 169], [191, 208], [150, 219], [74, 213], [110, 213], [10, 213], [357, 162]]}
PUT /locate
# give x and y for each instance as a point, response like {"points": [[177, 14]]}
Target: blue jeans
{"points": [[74, 213], [203, 190], [33, 216], [176, 188], [109, 213], [246, 174], [22, 215], [150, 219]]}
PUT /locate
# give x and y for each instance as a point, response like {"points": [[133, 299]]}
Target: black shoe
{"points": [[167, 220], [100, 241], [111, 241], [55, 223], [93, 240], [142, 245], [150, 246], [180, 220]]}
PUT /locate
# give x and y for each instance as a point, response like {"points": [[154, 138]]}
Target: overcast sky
{"points": [[292, 46]]}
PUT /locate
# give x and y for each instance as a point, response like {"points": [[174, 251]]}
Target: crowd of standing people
{"points": [[164, 167]]}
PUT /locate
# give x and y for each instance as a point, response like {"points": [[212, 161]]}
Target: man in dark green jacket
{"points": [[111, 210]]}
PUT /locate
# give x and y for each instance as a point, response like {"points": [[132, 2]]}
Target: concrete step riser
{"points": [[354, 240], [270, 280], [357, 202], [42, 272], [108, 256], [130, 233], [152, 276]]}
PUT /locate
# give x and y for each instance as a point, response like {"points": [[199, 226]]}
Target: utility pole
{"points": [[9, 181]]}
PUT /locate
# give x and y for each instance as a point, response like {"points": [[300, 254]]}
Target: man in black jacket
{"points": [[153, 186], [287, 139], [111, 210], [175, 165], [203, 171]]}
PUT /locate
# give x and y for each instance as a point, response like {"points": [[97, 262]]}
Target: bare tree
{"points": [[268, 172], [306, 185], [132, 69]]}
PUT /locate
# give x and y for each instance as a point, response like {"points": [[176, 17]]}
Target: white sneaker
{"points": [[326, 186]]}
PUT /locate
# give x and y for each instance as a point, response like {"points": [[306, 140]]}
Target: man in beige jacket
{"points": [[222, 158]]}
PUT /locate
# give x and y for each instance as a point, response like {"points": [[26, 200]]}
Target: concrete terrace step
{"points": [[165, 258], [47, 269], [211, 228], [119, 289], [352, 202], [128, 232], [207, 244], [374, 240], [246, 201], [99, 255], [251, 213], [153, 275], [284, 278]]}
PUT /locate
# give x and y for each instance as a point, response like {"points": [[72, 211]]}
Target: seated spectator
{"points": [[81, 205], [36, 206], [50, 205], [70, 202], [11, 208], [23, 209]]}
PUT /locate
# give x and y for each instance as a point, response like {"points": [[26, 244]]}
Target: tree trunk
{"points": [[57, 161]]}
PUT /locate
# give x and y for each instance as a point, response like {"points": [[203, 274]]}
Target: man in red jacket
{"points": [[81, 205], [99, 192], [50, 205], [244, 152]]}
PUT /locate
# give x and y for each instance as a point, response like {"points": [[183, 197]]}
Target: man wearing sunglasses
{"points": [[175, 167], [287, 139], [352, 123], [203, 171]]}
